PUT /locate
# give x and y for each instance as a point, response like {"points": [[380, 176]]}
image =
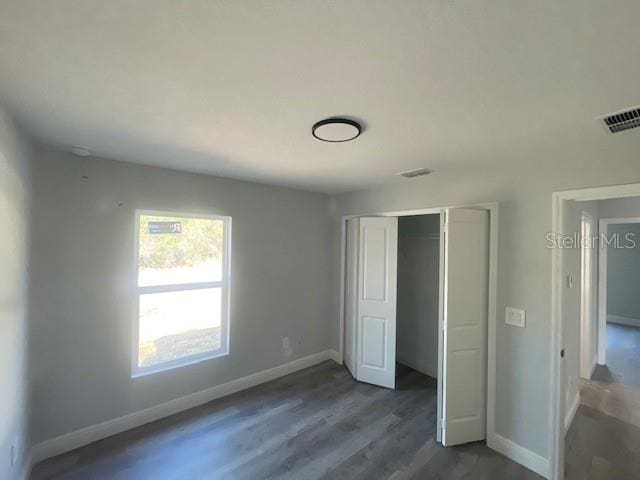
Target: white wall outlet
{"points": [[286, 347], [515, 317]]}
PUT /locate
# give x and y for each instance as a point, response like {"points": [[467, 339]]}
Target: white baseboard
{"points": [[335, 356], [628, 321], [571, 412], [84, 436], [519, 454]]}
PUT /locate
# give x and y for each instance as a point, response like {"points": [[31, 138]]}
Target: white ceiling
{"points": [[233, 87]]}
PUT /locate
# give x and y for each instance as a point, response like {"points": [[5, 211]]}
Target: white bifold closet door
{"points": [[466, 273], [370, 327]]}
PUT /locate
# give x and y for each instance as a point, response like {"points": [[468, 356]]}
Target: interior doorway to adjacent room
{"points": [[596, 339]]}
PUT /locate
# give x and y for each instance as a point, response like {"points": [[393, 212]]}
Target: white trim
{"points": [[556, 417], [620, 220], [518, 453], [601, 193], [493, 208], [601, 341], [335, 356], [224, 284], [586, 291], [492, 332], [556, 414], [441, 303], [571, 413], [343, 285], [84, 436], [603, 228], [594, 364], [620, 320]]}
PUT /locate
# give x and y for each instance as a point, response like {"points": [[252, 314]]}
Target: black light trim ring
{"points": [[332, 120]]}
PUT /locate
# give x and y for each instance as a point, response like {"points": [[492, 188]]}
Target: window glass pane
{"points": [[176, 250], [175, 325]]}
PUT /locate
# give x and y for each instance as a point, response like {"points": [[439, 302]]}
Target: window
{"points": [[182, 290]]}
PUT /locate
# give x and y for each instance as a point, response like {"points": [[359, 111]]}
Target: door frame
{"points": [[493, 208], [557, 413], [603, 228], [587, 363]]}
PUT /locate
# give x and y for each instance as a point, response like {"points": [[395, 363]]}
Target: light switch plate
{"points": [[515, 317]]}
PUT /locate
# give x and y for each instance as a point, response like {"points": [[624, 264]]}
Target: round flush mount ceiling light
{"points": [[80, 151], [336, 129]]}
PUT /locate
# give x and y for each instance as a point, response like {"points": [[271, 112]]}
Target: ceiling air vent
{"points": [[623, 120], [418, 172]]}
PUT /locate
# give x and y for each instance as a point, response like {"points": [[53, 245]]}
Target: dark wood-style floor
{"points": [[604, 439], [316, 423], [614, 388], [623, 357], [601, 447]]}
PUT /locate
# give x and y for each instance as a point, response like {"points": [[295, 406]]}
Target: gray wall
{"points": [[83, 267], [619, 207], [623, 273], [15, 193], [622, 297], [418, 284], [524, 192]]}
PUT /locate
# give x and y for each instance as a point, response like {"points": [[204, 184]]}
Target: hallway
{"points": [[614, 389], [604, 439], [601, 447]]}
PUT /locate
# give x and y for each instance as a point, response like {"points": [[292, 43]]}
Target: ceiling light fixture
{"points": [[336, 129], [80, 151], [418, 172]]}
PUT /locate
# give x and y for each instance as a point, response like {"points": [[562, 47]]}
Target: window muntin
{"points": [[182, 290]]}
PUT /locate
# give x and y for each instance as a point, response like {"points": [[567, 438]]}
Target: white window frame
{"points": [[224, 284]]}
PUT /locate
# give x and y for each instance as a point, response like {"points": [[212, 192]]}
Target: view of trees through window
{"points": [[180, 270], [194, 254]]}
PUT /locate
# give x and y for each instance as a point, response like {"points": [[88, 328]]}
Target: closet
{"points": [[418, 293]]}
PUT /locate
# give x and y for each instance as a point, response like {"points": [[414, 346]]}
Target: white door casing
{"points": [[466, 277], [351, 296], [586, 294], [377, 283]]}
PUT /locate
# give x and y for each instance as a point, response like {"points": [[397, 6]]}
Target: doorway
{"points": [[418, 295], [404, 270], [617, 304], [586, 432]]}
